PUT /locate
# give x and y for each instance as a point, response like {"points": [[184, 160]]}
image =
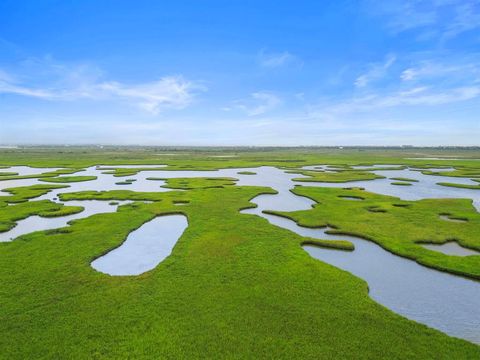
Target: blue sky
{"points": [[240, 72]]}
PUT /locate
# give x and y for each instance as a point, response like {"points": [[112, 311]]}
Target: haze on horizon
{"points": [[240, 72]]}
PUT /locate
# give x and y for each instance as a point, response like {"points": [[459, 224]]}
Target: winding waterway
{"points": [[38, 223], [440, 300]]}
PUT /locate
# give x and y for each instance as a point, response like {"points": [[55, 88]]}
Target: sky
{"points": [[240, 72]]}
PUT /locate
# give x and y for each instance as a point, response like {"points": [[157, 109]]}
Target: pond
{"points": [[451, 248], [144, 248]]}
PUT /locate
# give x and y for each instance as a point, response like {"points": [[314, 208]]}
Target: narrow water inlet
{"points": [[410, 289], [400, 284], [144, 248]]}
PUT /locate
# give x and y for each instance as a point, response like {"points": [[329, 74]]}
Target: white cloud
{"points": [[169, 92], [267, 102], [274, 60], [425, 96], [259, 103], [376, 71], [58, 82], [458, 72], [409, 74]]}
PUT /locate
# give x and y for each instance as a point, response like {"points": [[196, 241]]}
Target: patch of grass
{"points": [[397, 228], [126, 182], [246, 173], [334, 177], [67, 179], [198, 183], [399, 183], [45, 208], [351, 197], [375, 168], [64, 230], [330, 244], [122, 172], [24, 193], [458, 172], [110, 195], [461, 186], [49, 174], [403, 179]]}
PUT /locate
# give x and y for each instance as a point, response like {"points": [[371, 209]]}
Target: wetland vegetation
{"points": [[399, 229], [233, 280]]}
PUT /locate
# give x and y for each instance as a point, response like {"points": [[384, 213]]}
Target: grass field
{"points": [[235, 286]]}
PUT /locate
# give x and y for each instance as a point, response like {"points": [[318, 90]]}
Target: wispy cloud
{"points": [[60, 82], [266, 102], [418, 96], [171, 92], [275, 60], [375, 72], [464, 71], [258, 103], [403, 15], [414, 86], [466, 18], [442, 19], [5, 77]]}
